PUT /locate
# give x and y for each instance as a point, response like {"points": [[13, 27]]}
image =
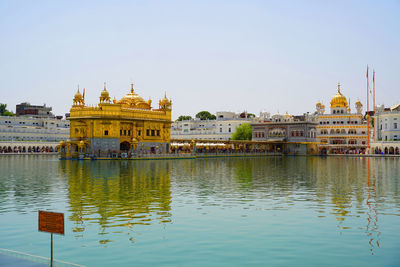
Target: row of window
{"points": [[280, 133], [128, 132], [259, 134], [342, 142], [338, 111], [394, 126], [395, 138], [297, 133], [342, 131], [31, 138], [338, 122], [37, 123]]}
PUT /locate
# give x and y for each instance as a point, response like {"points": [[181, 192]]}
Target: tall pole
{"points": [[51, 251], [373, 80], [349, 111], [367, 107]]}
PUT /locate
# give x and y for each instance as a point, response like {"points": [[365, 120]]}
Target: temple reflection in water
{"points": [[348, 196], [117, 193]]}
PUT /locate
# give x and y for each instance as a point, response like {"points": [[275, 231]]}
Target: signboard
{"points": [[52, 222]]}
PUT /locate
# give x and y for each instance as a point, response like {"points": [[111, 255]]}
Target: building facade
{"points": [[341, 132], [386, 130], [129, 125], [26, 109], [221, 128], [292, 134], [20, 134]]}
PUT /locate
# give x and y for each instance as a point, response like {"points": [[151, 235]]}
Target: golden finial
{"points": [[105, 86], [132, 88], [338, 87], [78, 87]]}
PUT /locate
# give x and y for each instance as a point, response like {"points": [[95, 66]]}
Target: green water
{"points": [[275, 211]]}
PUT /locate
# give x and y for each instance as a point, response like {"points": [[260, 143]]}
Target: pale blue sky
{"points": [[207, 55]]}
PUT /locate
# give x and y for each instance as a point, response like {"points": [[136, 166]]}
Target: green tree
{"points": [[4, 111], [184, 118], [2, 108], [205, 115], [243, 132]]}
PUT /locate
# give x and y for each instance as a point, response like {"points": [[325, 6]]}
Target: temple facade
{"points": [[117, 128], [341, 132]]}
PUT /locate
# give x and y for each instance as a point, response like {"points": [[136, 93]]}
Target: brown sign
{"points": [[52, 222]]}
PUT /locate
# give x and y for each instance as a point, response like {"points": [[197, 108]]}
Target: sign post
{"points": [[51, 222]]}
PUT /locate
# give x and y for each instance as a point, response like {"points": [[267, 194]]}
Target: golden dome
{"points": [[133, 100], [164, 103], [287, 115], [339, 100], [105, 96], [358, 103], [78, 98]]}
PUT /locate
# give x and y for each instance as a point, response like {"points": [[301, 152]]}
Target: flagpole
{"points": [[373, 80], [349, 111], [367, 108]]}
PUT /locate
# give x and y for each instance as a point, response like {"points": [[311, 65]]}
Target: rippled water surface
{"points": [[277, 211]]}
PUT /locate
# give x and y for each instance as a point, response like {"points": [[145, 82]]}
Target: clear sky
{"points": [[207, 55]]}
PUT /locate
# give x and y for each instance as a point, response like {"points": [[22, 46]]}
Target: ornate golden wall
{"points": [[128, 122]]}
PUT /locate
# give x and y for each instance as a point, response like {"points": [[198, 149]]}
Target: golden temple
{"points": [[110, 128]]}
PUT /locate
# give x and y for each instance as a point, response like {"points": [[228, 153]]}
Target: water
{"points": [[276, 211]]}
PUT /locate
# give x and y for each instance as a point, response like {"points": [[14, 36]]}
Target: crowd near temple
{"points": [[132, 127]]}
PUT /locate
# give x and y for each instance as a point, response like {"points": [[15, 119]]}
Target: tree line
{"points": [[202, 115], [4, 111]]}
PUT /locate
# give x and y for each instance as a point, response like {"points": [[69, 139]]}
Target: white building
{"points": [[220, 129], [386, 130], [18, 134], [341, 131]]}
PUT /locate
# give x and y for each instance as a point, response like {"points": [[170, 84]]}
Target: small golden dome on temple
{"points": [[78, 96], [287, 115], [133, 100], [339, 100], [165, 103], [104, 96]]}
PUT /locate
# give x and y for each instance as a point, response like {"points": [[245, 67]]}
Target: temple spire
{"points": [[132, 88], [338, 87], [105, 86]]}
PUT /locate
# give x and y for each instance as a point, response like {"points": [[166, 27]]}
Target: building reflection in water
{"points": [[342, 187], [116, 194]]}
